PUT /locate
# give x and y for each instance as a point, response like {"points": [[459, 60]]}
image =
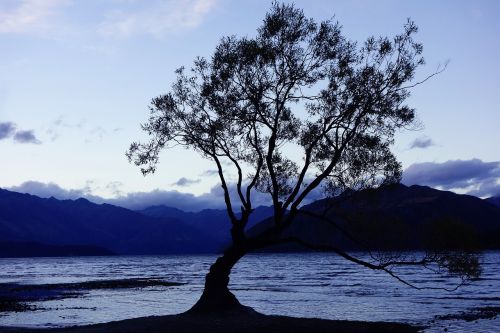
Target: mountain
{"points": [[392, 217], [28, 218], [400, 217], [494, 200], [212, 222]]}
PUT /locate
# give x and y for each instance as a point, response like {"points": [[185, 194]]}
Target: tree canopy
{"points": [[296, 108]]}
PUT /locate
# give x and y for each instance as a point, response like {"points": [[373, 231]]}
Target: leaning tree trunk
{"points": [[216, 296]]}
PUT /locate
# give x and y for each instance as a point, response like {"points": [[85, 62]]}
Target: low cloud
{"points": [[473, 176], [47, 190], [159, 18], [26, 137], [214, 199], [183, 181], [184, 201], [7, 129], [422, 143], [209, 173]]}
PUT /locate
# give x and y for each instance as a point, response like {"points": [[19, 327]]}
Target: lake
{"points": [[292, 284]]}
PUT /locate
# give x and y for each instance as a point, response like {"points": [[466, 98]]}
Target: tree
{"points": [[297, 86]]}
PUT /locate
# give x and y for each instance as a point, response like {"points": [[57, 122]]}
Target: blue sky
{"points": [[76, 78]]}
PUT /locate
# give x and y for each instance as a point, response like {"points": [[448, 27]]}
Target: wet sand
{"points": [[17, 297]]}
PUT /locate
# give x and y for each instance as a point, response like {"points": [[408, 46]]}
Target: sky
{"points": [[76, 78]]}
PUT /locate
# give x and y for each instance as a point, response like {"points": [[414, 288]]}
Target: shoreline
{"points": [[227, 322]]}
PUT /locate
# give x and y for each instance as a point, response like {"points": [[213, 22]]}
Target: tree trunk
{"points": [[216, 296]]}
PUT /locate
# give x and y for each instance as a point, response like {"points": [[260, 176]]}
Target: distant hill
{"points": [[401, 217], [212, 222], [9, 249], [28, 218], [494, 200]]}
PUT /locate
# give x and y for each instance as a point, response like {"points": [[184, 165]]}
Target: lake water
{"points": [[302, 285]]}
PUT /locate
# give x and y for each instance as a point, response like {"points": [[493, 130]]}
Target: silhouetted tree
{"points": [[297, 86]]}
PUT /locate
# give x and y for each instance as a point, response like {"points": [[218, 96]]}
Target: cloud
{"points": [[97, 133], [26, 137], [486, 189], [183, 181], [54, 129], [209, 173], [7, 129], [47, 190], [134, 200], [160, 19], [28, 16], [473, 176], [61, 124], [422, 142], [115, 188], [214, 199], [184, 201], [91, 133]]}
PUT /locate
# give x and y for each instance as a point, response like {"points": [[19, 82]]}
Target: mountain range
{"points": [[28, 218], [387, 218]]}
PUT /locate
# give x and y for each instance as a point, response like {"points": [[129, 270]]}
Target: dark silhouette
{"points": [[298, 86]]}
